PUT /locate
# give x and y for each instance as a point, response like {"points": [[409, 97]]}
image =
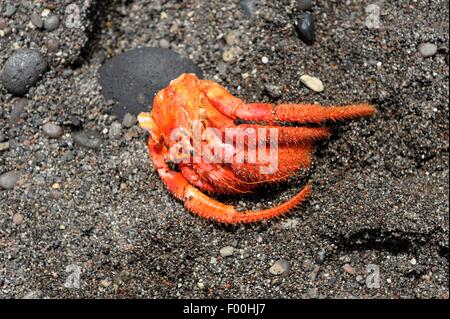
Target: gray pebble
{"points": [[4, 146], [232, 38], [320, 257], [37, 294], [163, 43], [22, 70], [279, 267], [249, 7], [56, 194], [67, 73], [37, 20], [230, 54], [51, 23], [313, 293], [18, 219], [52, 45], [305, 28], [222, 67], [314, 273], [3, 23], [68, 156], [26, 4], [9, 180], [52, 130], [227, 251], [17, 111], [273, 90], [88, 139], [115, 130], [304, 5], [10, 10], [129, 120], [427, 49]]}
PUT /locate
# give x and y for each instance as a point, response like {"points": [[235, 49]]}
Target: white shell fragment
{"points": [[312, 82]]}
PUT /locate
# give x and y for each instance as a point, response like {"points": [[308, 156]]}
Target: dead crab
{"points": [[202, 113]]}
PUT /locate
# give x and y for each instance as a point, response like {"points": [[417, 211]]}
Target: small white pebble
{"points": [[313, 83], [413, 261], [45, 13], [227, 251], [265, 60], [200, 285]]}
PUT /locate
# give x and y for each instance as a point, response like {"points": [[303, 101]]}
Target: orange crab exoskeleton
{"points": [[189, 100]]}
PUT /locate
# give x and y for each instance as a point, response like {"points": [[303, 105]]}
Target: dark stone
{"points": [[88, 139], [22, 70], [37, 20], [133, 78], [305, 28]]}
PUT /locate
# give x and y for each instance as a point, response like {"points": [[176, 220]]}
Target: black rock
{"points": [[305, 28], [22, 70], [304, 5], [132, 79], [249, 7], [75, 122], [88, 139]]}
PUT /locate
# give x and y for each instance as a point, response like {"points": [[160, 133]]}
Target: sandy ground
{"points": [[99, 223]]}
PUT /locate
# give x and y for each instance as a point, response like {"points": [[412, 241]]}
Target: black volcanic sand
{"points": [[380, 197]]}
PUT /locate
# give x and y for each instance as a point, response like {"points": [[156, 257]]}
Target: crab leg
{"points": [[195, 179], [223, 179], [235, 108], [290, 159], [304, 113], [287, 135], [204, 206]]}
